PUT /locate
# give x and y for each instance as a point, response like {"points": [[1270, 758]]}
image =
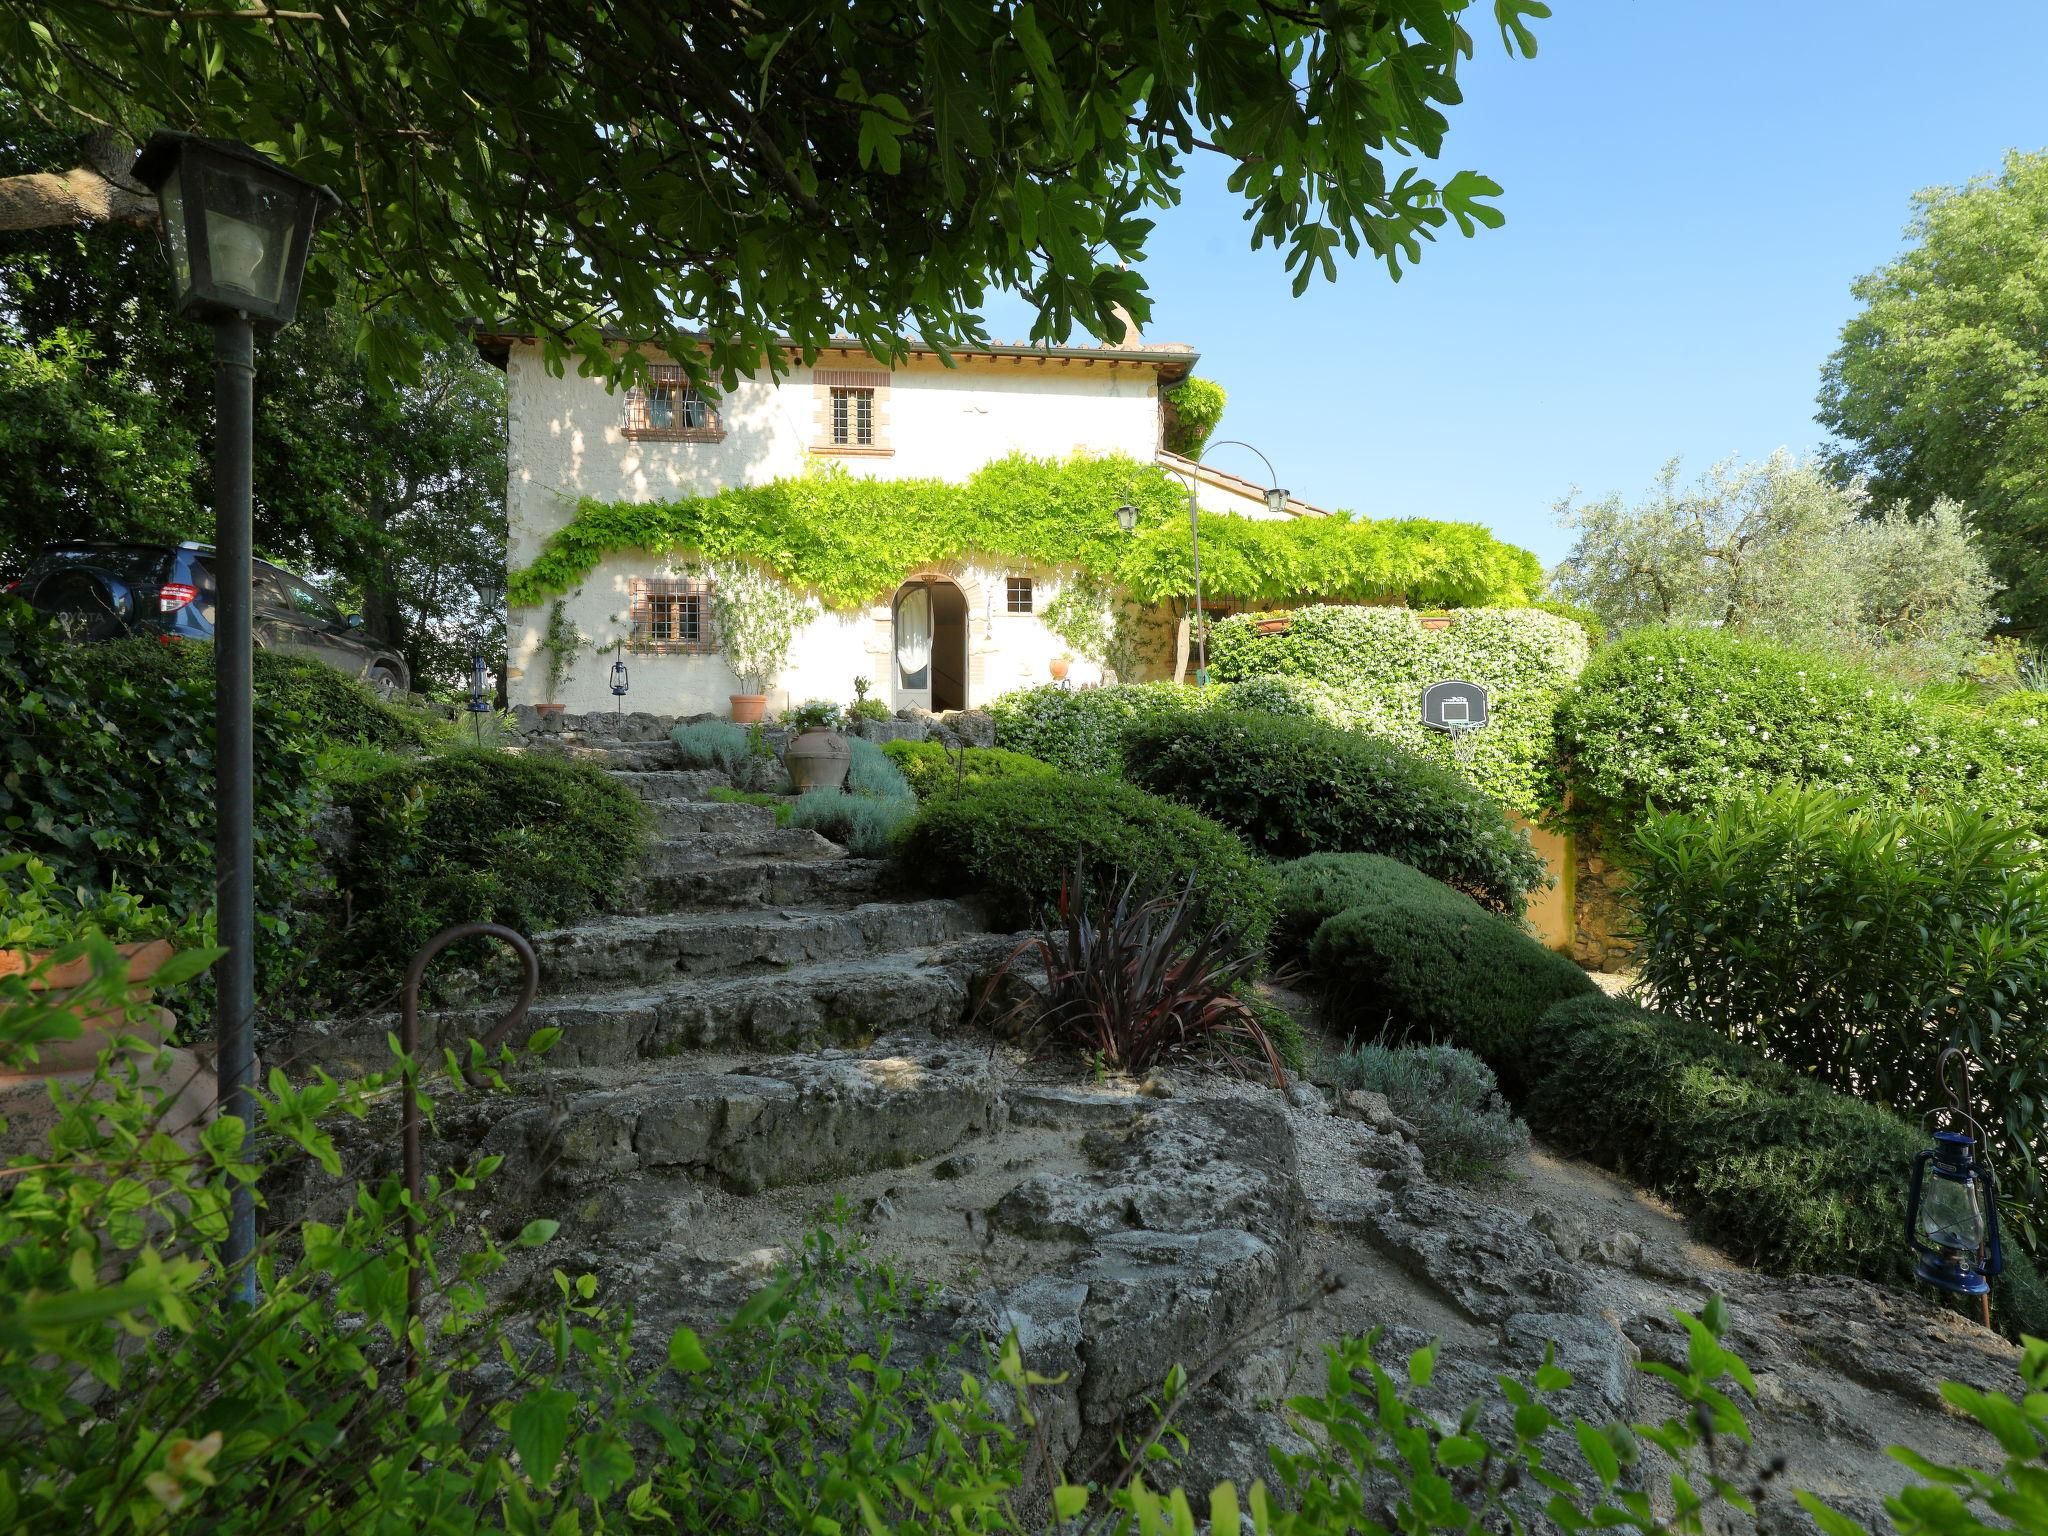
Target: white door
{"points": [[914, 648]]}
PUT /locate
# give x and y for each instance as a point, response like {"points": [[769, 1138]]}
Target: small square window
{"points": [[671, 614], [669, 406], [1022, 594], [853, 418]]}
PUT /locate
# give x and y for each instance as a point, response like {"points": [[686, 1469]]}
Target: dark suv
{"points": [[105, 591]]}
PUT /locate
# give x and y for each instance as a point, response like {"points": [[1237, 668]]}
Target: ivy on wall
{"points": [[849, 539], [1193, 407]]}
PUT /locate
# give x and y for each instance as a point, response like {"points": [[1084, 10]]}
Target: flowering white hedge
{"points": [[1365, 668]]}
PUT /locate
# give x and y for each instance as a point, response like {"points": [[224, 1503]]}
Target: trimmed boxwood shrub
{"points": [[1780, 1172], [1016, 841], [1296, 787], [1687, 719], [1082, 729], [933, 769], [1365, 669], [528, 840], [1411, 957]]}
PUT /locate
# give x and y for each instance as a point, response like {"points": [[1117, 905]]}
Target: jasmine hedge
{"points": [[1688, 719], [1365, 668], [847, 538]]}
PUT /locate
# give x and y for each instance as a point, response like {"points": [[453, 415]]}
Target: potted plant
{"points": [[757, 618], [1060, 665], [558, 647], [863, 707], [818, 755]]}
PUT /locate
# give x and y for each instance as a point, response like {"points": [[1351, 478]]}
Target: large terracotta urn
{"points": [[818, 759]]}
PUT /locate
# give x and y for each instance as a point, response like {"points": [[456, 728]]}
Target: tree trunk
{"points": [[99, 190]]}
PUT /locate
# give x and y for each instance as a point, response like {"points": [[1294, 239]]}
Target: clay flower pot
{"points": [[1436, 621], [818, 759], [98, 1025], [748, 708], [1060, 664], [549, 709]]}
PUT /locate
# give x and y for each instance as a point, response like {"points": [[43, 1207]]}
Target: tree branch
{"points": [[81, 195]]}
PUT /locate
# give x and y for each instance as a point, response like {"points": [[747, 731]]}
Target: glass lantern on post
{"points": [[1952, 1207], [620, 682], [479, 693]]}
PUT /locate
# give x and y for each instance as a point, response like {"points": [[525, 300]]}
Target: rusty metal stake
{"points": [[409, 1040]]}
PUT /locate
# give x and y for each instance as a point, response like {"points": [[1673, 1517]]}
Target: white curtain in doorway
{"points": [[914, 635]]}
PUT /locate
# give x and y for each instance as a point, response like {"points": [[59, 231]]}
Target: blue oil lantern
{"points": [[1952, 1217]]}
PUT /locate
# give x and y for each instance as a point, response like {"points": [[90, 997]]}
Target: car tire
{"points": [[86, 606], [385, 683]]}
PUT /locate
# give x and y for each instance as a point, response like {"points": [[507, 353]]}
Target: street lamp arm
{"points": [[1272, 474]]}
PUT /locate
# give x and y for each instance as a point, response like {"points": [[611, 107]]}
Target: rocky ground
{"points": [[774, 1033]]}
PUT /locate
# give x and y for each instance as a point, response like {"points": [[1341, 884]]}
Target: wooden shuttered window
{"points": [[667, 408], [671, 615]]}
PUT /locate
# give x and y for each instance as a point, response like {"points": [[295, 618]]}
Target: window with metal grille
{"points": [[671, 615], [1022, 594], [853, 418], [669, 408]]}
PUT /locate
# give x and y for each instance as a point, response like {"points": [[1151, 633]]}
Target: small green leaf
{"points": [[537, 1231], [686, 1354]]}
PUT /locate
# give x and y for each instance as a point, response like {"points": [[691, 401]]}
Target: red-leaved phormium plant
{"points": [[1136, 982]]}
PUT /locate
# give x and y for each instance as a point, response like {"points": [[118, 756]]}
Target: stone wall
{"points": [[1600, 913]]}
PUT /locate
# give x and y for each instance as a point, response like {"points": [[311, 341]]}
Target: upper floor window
{"points": [[853, 418], [671, 614], [850, 410], [1022, 594], [669, 408]]}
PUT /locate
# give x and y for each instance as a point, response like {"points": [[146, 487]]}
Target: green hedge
{"points": [[933, 769], [529, 840], [1016, 842], [318, 702], [1776, 1170], [1296, 787], [1855, 944], [1365, 668], [1410, 957], [1687, 719], [1082, 730]]}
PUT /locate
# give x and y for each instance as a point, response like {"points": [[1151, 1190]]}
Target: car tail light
{"points": [[173, 595]]}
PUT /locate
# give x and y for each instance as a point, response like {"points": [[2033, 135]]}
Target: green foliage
{"points": [[1450, 1096], [725, 794], [529, 841], [2020, 709], [1082, 730], [867, 815], [559, 644], [1093, 620], [1687, 719], [107, 776], [932, 768], [874, 772], [1193, 408], [1575, 613], [1936, 387], [756, 618], [1296, 787], [1365, 668], [1314, 889], [1017, 841], [813, 712], [1774, 551], [846, 538], [951, 157], [715, 744], [1854, 945], [1415, 960], [37, 912], [317, 702]]}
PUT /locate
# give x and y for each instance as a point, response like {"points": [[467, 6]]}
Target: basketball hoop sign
{"points": [[1457, 709]]}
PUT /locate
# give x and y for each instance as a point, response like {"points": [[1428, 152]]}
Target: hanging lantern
{"points": [[1952, 1217], [619, 681], [479, 684], [1127, 518]]}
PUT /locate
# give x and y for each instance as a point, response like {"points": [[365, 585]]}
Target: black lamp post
{"points": [[237, 226], [620, 682], [1276, 503], [479, 694]]}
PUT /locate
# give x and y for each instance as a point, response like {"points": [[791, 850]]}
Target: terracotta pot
{"points": [[1279, 624], [549, 709], [818, 759], [1436, 621], [748, 707], [99, 1024], [144, 958], [1059, 668]]}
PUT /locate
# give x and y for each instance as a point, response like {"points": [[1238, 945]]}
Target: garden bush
{"points": [[1016, 841], [1296, 787], [1309, 891], [107, 777], [866, 815], [1412, 959], [933, 768], [1365, 668], [1854, 944], [1082, 729], [1687, 719], [1465, 1128], [1773, 1167], [530, 841]]}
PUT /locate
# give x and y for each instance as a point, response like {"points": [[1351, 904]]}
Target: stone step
{"points": [[740, 842], [788, 1120], [637, 756], [672, 784], [726, 883], [690, 818], [617, 951], [835, 1002]]}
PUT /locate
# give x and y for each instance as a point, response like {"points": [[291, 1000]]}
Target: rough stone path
{"points": [[772, 1031]]}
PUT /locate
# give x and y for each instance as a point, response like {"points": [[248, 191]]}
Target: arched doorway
{"points": [[930, 635]]}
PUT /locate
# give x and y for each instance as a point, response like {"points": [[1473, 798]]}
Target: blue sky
{"points": [[1691, 187]]}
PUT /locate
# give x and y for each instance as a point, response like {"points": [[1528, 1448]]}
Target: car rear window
{"points": [[139, 565]]}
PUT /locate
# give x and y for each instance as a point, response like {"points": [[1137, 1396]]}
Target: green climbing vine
{"points": [[848, 539], [1193, 408]]}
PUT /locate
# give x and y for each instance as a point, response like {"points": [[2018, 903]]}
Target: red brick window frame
{"points": [[671, 616], [668, 409], [850, 411]]}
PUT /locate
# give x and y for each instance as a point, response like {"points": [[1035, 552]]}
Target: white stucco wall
{"points": [[566, 441]]}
